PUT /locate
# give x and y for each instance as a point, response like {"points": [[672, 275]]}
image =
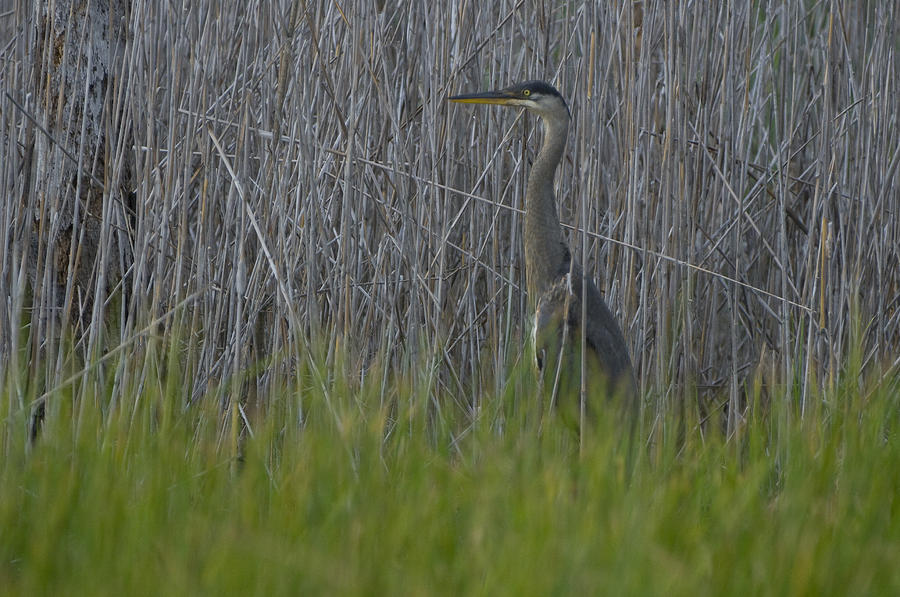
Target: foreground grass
{"points": [[149, 500]]}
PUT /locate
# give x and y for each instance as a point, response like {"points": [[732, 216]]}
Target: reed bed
{"points": [[286, 194], [264, 328]]}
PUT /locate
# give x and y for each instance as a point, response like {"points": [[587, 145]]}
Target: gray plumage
{"points": [[555, 282]]}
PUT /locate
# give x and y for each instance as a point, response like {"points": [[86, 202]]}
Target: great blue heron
{"points": [[555, 281]]}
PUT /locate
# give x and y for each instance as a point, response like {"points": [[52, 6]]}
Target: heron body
{"points": [[569, 311]]}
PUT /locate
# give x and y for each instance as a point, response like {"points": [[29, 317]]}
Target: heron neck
{"points": [[545, 252]]}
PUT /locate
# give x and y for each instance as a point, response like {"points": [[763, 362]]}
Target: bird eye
{"points": [[526, 92]]}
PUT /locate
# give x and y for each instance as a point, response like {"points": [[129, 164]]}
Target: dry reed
{"points": [[302, 186]]}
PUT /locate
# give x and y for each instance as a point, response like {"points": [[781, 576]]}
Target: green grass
{"points": [[368, 497]]}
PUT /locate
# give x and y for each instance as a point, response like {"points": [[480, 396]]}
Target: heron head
{"points": [[537, 96]]}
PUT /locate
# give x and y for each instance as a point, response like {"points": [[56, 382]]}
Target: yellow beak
{"points": [[487, 97]]}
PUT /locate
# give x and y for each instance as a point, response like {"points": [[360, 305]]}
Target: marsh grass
{"points": [[362, 498]]}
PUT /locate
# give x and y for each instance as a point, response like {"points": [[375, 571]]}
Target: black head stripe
{"points": [[541, 87]]}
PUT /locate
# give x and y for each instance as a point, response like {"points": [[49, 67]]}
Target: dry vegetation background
{"points": [[281, 186]]}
